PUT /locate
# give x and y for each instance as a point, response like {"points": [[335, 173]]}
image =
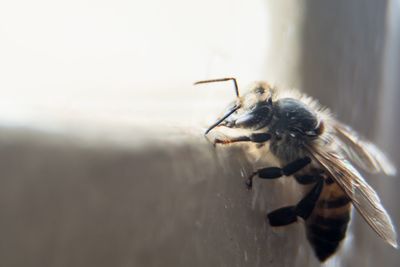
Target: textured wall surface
{"points": [[64, 203]]}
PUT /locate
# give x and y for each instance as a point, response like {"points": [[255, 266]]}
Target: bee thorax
{"points": [[287, 149], [292, 126]]}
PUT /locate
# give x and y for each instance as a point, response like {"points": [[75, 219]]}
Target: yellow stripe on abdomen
{"points": [[327, 225]]}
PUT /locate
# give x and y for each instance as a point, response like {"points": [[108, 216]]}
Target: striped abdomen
{"points": [[326, 227]]}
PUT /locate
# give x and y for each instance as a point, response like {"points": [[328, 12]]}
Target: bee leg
{"points": [[307, 179], [276, 172], [256, 138], [303, 209], [282, 216], [289, 169]]}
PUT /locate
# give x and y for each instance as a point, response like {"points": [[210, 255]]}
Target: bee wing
{"points": [[363, 153], [363, 197]]}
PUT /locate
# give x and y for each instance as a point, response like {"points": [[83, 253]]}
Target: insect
{"points": [[317, 150]]}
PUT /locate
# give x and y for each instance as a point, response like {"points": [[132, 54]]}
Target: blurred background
{"points": [[101, 141]]}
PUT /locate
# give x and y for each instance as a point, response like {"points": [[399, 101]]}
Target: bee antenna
{"points": [[222, 80]]}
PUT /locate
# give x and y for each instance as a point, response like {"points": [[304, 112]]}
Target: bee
{"points": [[317, 150]]}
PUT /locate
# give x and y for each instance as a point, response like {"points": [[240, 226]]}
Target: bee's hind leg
{"points": [[282, 216], [303, 209]]}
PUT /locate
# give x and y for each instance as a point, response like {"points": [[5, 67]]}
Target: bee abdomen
{"points": [[325, 234], [327, 226]]}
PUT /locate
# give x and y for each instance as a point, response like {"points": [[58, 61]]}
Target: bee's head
{"points": [[251, 111]]}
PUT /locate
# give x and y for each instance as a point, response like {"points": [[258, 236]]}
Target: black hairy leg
{"points": [[307, 179], [303, 209], [276, 172]]}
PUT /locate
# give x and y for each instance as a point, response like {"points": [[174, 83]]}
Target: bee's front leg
{"points": [[255, 138]]}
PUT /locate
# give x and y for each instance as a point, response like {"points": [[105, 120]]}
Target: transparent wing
{"points": [[363, 153], [363, 197]]}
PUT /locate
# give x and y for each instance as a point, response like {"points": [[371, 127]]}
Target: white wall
{"points": [[61, 60]]}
